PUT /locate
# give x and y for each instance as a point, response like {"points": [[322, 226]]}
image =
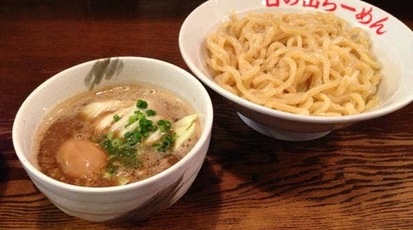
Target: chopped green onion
{"points": [[164, 125], [150, 112], [142, 104], [116, 143], [111, 169], [131, 120], [116, 118], [166, 143]]}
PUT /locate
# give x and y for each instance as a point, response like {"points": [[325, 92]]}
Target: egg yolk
{"points": [[80, 158]]}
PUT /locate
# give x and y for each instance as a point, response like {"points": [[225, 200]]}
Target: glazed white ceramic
{"points": [[392, 43], [137, 200]]}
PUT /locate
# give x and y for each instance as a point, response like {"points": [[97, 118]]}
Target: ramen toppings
{"points": [[107, 139]]}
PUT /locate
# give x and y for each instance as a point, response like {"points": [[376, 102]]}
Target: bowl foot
{"points": [[281, 134]]}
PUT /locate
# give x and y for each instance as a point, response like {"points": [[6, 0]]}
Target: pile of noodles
{"points": [[302, 63]]}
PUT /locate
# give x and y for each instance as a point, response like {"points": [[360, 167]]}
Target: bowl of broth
{"points": [[297, 70], [115, 138]]}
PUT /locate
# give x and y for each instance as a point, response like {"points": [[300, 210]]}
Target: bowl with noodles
{"points": [[297, 70]]}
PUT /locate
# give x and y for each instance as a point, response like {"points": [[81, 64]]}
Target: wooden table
{"points": [[360, 177]]}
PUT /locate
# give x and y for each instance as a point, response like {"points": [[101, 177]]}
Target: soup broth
{"points": [[115, 136]]}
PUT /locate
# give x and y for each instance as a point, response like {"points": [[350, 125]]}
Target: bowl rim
{"points": [[378, 112], [34, 171]]}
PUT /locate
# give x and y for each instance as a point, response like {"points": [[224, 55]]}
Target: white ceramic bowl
{"points": [[137, 200], [393, 47]]}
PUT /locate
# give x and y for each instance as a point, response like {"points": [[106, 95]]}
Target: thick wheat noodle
{"points": [[300, 63]]}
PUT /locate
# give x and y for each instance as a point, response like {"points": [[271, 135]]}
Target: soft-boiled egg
{"points": [[80, 158]]}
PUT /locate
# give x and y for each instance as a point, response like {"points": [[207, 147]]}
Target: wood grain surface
{"points": [[360, 177]]}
